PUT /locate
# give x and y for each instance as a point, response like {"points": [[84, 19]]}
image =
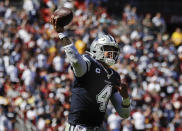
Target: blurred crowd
{"points": [[35, 76]]}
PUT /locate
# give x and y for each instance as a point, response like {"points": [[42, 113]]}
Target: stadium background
{"points": [[35, 78]]}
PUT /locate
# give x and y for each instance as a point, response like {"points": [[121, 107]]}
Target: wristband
{"points": [[61, 35]]}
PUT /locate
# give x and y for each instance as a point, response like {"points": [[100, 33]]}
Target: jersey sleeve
{"points": [[80, 64], [117, 81], [116, 100], [88, 62]]}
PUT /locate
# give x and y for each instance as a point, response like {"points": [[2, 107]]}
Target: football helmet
{"points": [[100, 45]]}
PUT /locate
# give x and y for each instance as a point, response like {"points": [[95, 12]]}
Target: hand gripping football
{"points": [[61, 17]]}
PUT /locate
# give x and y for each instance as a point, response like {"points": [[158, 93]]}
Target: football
{"points": [[63, 15]]}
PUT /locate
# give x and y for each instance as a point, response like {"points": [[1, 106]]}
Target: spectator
{"points": [[114, 121], [159, 23], [139, 120], [177, 37], [147, 24]]}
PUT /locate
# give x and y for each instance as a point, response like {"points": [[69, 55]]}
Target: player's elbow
{"points": [[79, 70]]}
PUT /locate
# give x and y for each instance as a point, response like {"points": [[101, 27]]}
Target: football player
{"points": [[95, 83]]}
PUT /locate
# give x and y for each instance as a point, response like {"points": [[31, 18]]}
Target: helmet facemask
{"points": [[110, 54]]}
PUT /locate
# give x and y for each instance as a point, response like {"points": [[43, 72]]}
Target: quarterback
{"points": [[95, 82]]}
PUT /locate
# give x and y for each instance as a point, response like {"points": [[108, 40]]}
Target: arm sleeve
{"points": [[79, 64], [116, 100]]}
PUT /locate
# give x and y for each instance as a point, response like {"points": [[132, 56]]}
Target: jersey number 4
{"points": [[103, 97]]}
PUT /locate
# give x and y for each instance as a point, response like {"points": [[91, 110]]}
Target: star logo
{"points": [[97, 70]]}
